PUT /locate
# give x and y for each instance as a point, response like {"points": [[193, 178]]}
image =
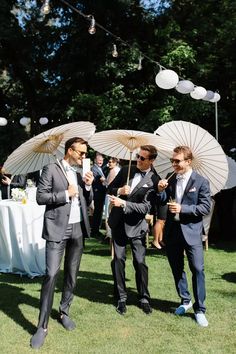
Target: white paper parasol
{"points": [[124, 144], [44, 148], [209, 158]]}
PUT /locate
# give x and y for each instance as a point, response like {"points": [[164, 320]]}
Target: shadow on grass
{"points": [[231, 277], [227, 246], [11, 299]]}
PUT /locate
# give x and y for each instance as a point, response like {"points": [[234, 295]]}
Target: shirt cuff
{"points": [[67, 197]]}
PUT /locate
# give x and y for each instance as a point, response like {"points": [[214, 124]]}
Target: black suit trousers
{"points": [[175, 247], [138, 247], [72, 246]]}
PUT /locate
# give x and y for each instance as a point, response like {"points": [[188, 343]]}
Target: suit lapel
{"points": [[189, 184], [61, 174], [143, 181]]}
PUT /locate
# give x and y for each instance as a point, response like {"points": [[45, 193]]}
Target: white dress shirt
{"points": [[182, 180], [75, 211], [137, 178]]}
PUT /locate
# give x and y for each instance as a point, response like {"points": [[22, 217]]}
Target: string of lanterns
{"points": [[165, 79]]}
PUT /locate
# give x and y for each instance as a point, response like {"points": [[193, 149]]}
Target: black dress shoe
{"points": [[145, 306], [67, 323], [121, 308], [38, 338]]}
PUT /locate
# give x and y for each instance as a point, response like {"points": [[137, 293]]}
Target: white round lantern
{"points": [[198, 93], [3, 121], [167, 79], [25, 121], [43, 120], [185, 86], [209, 96], [216, 97]]}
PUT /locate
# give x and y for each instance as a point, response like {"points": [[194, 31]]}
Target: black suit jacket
{"points": [[138, 203], [18, 181], [51, 192]]}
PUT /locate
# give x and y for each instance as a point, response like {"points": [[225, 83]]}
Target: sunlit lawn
{"points": [[101, 330]]}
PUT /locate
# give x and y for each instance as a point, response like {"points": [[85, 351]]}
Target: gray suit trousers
{"points": [[72, 246]]}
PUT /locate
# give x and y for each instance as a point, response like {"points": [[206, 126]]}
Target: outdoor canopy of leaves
{"points": [[50, 66]]}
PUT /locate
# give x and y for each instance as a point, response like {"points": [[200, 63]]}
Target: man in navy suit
{"points": [[128, 225], [67, 196], [187, 195]]}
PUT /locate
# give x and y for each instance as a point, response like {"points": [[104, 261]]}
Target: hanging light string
{"points": [[166, 78], [117, 38]]}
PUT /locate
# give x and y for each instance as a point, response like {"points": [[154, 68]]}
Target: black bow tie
{"points": [[142, 173]]}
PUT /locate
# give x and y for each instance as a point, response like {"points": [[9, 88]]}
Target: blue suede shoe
{"points": [[182, 309]]}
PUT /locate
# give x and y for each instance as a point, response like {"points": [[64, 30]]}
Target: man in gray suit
{"points": [[67, 196], [128, 224], [187, 195]]}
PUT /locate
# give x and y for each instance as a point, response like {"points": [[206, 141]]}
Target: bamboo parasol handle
{"points": [[127, 182]]}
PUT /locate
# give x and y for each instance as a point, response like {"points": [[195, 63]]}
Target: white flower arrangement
{"points": [[18, 194]]}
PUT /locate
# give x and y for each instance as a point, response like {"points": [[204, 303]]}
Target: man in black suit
{"points": [[99, 194], [128, 225], [67, 196], [187, 195], [7, 184]]}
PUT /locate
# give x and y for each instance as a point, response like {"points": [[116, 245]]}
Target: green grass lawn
{"points": [[100, 329]]}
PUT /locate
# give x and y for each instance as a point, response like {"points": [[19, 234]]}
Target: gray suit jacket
{"points": [[138, 203], [51, 192], [196, 203]]}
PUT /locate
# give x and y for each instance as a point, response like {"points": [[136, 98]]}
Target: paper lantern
{"points": [[3, 121], [167, 79], [209, 96], [216, 97], [198, 93], [43, 120], [25, 121], [185, 86]]}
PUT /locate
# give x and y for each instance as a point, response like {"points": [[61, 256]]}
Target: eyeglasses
{"points": [[80, 153], [142, 158], [176, 161], [111, 161]]}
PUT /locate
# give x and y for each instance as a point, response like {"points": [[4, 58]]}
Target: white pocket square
{"points": [[145, 185], [192, 189]]}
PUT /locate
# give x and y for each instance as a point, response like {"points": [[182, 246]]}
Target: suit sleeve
{"points": [[117, 182], [47, 193], [143, 207]]}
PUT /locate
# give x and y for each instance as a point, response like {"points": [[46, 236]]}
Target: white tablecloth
{"points": [[22, 249]]}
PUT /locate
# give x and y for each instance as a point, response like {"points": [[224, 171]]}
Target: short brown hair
{"points": [[151, 149], [69, 143], [185, 150]]}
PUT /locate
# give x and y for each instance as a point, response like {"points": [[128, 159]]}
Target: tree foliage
{"points": [[50, 65]]}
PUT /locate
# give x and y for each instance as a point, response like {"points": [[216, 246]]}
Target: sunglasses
{"points": [[176, 161], [142, 158], [80, 153]]}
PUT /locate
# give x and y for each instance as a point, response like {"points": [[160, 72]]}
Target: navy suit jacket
{"points": [[138, 203], [51, 192], [195, 203]]}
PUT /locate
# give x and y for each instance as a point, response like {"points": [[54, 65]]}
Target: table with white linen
{"points": [[22, 249]]}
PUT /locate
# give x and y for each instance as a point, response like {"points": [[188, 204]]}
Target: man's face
{"points": [[146, 164], [99, 161], [179, 163], [77, 153]]}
